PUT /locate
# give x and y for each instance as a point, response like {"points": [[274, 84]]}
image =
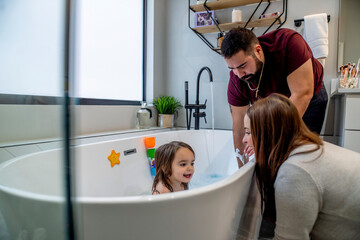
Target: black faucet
{"points": [[197, 114]]}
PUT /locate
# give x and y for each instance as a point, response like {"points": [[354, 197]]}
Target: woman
{"points": [[310, 188]]}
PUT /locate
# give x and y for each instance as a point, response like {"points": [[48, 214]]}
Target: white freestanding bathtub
{"points": [[115, 202]]}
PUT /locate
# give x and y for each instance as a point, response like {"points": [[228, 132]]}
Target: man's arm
{"points": [[238, 114], [301, 85]]}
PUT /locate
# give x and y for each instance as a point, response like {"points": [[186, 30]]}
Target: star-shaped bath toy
{"points": [[114, 158]]}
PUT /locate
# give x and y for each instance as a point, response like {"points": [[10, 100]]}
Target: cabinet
{"points": [[224, 27], [347, 115]]}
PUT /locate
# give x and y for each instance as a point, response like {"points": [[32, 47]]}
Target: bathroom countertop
{"points": [[87, 138], [336, 91], [342, 91]]}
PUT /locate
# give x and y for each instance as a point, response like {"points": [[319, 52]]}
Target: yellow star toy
{"points": [[114, 158]]}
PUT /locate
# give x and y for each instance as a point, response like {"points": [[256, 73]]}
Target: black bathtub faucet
{"points": [[197, 106]]}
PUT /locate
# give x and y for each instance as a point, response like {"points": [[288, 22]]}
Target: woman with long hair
{"points": [[308, 187]]}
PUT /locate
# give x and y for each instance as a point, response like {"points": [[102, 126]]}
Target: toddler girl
{"points": [[174, 164]]}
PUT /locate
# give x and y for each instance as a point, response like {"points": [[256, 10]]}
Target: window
{"points": [[32, 47], [109, 50]]}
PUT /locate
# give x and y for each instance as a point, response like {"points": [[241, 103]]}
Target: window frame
{"points": [[53, 100]]}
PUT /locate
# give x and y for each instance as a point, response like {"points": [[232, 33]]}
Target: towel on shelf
{"points": [[316, 34]]}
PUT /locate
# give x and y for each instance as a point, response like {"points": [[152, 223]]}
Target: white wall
{"points": [[176, 55], [350, 32], [185, 54], [25, 123]]}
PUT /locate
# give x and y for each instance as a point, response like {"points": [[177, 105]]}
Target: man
{"points": [[279, 61]]}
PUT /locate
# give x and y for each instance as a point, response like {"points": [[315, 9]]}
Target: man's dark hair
{"points": [[238, 39]]}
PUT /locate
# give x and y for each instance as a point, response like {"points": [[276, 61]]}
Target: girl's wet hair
{"points": [[164, 156]]}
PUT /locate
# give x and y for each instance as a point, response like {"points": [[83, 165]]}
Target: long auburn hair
{"points": [[276, 129], [164, 157]]}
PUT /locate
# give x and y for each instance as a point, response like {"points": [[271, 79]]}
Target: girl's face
{"points": [[183, 166], [247, 140]]}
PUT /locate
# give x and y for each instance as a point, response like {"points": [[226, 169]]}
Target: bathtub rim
{"points": [[27, 194], [123, 199], [170, 196], [31, 195], [148, 134], [132, 199]]}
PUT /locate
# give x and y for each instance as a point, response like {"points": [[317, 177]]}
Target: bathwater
{"points": [[205, 179], [212, 106], [211, 153], [197, 181]]}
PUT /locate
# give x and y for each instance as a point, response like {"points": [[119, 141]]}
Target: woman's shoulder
{"points": [[319, 161], [305, 152], [329, 151], [302, 160]]}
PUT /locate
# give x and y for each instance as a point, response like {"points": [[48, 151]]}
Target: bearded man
{"points": [[277, 62]]}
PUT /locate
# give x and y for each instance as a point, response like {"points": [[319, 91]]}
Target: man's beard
{"points": [[253, 78]]}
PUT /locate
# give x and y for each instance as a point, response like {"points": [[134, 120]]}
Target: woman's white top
{"points": [[318, 196]]}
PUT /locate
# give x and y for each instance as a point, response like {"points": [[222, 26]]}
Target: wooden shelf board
{"points": [[222, 4], [228, 26], [218, 49]]}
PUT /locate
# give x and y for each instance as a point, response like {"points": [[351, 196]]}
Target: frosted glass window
{"points": [[108, 49], [32, 47]]}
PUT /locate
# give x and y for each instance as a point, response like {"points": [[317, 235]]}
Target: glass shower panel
{"points": [[32, 73]]}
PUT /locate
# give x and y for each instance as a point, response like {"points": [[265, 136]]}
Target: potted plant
{"points": [[166, 106]]}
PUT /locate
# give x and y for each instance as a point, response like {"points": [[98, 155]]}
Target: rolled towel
{"points": [[316, 34]]}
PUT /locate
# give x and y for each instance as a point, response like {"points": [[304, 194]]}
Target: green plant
{"points": [[167, 104]]}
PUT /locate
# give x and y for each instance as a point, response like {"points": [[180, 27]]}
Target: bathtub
{"points": [[115, 202]]}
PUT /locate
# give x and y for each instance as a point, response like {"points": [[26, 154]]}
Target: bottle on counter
{"points": [[143, 117], [220, 39], [236, 15]]}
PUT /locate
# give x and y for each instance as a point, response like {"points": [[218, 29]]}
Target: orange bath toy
{"points": [[114, 158]]}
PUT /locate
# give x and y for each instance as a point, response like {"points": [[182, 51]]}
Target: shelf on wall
{"points": [[228, 26], [222, 4], [225, 27]]}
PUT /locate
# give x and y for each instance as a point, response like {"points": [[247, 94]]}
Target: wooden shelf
{"points": [[228, 26], [225, 27], [218, 50], [221, 4]]}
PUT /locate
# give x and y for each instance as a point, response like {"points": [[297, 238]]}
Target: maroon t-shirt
{"points": [[285, 50]]}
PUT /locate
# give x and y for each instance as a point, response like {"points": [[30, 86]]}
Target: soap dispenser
{"points": [[143, 117]]}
